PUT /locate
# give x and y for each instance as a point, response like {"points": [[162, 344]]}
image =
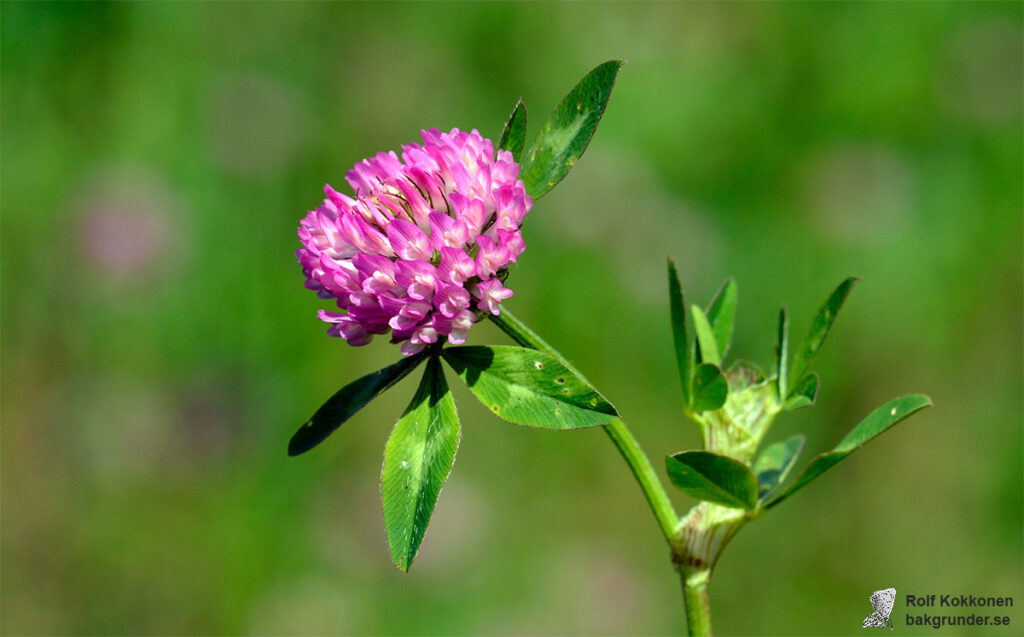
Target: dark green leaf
{"points": [[877, 422], [705, 337], [417, 460], [713, 477], [782, 355], [513, 136], [677, 307], [721, 313], [710, 389], [774, 463], [346, 402], [820, 328], [527, 387], [567, 132], [804, 393]]}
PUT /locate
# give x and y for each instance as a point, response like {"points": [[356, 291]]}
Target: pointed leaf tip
{"points": [[513, 136], [710, 388], [708, 346], [417, 460], [820, 328], [721, 313], [680, 337], [566, 134], [346, 402], [804, 393], [782, 356], [874, 424]]}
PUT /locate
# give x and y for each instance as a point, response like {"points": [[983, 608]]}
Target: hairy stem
{"points": [[617, 430], [698, 606]]}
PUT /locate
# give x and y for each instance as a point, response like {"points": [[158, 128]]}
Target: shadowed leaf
{"points": [[513, 136], [680, 337], [710, 389], [346, 402], [804, 393], [774, 464], [782, 355], [713, 477]]}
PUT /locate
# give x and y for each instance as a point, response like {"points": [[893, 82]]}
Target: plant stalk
{"points": [[617, 430], [698, 606], [685, 540]]}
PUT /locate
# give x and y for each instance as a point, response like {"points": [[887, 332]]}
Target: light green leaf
{"points": [[721, 313], [417, 460], [713, 477], [677, 308], [567, 132], [820, 328], [527, 387], [710, 388], [773, 465], [346, 402], [804, 393], [513, 136], [876, 423], [705, 337], [782, 355]]}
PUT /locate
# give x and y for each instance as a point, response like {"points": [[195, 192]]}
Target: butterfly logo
{"points": [[882, 602]]}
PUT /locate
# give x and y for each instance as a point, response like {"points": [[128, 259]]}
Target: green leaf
{"points": [[721, 313], [513, 136], [713, 477], [677, 308], [782, 355], [527, 387], [417, 460], [877, 422], [710, 388], [820, 328], [743, 374], [774, 464], [705, 337], [804, 393], [346, 402], [567, 132]]}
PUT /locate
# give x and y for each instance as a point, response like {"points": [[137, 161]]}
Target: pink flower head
{"points": [[423, 247]]}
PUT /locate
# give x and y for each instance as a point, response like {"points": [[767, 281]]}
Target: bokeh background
{"points": [[159, 349]]}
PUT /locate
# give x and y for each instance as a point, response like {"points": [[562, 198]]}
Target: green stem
{"points": [[637, 460], [617, 430], [526, 337], [698, 606]]}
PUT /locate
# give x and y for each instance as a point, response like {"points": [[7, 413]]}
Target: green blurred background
{"points": [[159, 348]]}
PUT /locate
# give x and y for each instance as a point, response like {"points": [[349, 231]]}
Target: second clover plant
{"points": [[422, 249]]}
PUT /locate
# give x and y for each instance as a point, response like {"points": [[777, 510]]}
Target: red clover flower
{"points": [[424, 248]]}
